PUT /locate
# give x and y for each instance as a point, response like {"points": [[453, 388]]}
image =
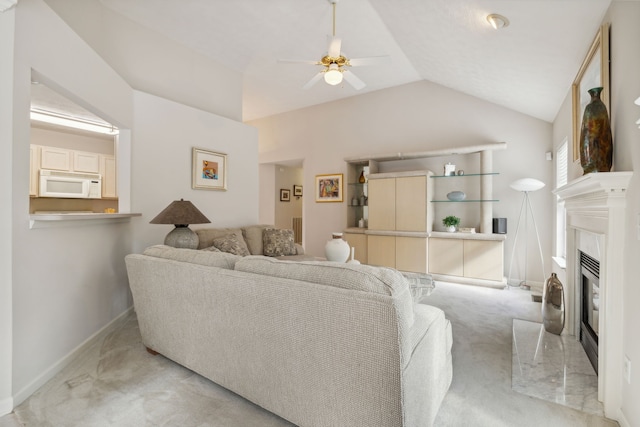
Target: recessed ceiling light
{"points": [[497, 21]]}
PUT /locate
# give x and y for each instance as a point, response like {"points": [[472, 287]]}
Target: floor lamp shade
{"points": [[181, 213]]}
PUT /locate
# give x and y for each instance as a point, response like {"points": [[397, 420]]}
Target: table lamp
{"points": [[181, 213]]}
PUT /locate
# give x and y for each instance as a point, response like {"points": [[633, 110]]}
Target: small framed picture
{"points": [[329, 188], [297, 190], [285, 195], [209, 170]]}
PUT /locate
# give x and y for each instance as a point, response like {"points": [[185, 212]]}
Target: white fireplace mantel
{"points": [[595, 207], [595, 183]]}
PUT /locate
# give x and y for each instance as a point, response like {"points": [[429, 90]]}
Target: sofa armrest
{"points": [[299, 249]]}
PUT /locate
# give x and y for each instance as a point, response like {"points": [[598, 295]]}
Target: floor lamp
{"points": [[526, 185]]}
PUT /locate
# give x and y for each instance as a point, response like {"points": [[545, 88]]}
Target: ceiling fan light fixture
{"points": [[333, 75], [497, 21]]}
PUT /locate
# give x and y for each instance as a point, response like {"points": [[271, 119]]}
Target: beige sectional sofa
{"points": [[317, 343]]}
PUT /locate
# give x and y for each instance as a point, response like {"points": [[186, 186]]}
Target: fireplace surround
{"points": [[595, 208]]}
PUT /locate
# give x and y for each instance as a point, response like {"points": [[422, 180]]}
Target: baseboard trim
{"points": [[622, 420], [6, 406], [42, 379]]}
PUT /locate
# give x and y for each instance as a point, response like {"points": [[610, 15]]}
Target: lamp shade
{"points": [[180, 212], [527, 184]]}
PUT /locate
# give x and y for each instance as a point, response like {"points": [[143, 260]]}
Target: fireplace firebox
{"points": [[590, 306]]}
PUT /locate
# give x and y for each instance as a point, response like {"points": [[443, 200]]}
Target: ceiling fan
{"points": [[336, 64]]}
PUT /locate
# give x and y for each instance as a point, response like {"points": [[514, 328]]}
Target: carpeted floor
{"points": [[117, 383]]}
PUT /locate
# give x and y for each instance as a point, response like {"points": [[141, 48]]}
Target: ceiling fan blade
{"points": [[334, 47], [370, 60], [313, 81], [353, 80], [299, 61]]}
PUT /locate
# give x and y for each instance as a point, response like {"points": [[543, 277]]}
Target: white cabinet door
{"points": [[108, 172], [86, 162], [55, 158], [382, 204], [381, 251], [411, 203], [483, 259], [34, 169], [411, 254], [359, 242], [446, 256]]}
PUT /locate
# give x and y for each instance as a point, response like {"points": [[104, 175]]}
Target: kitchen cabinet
{"points": [[55, 158], [65, 160], [61, 159], [108, 172], [34, 162], [86, 162]]}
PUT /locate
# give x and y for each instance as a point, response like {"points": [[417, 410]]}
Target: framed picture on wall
{"points": [[594, 72], [297, 190], [329, 188], [285, 195], [209, 170]]}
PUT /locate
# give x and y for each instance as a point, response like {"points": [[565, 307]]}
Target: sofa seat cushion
{"points": [[194, 256], [278, 242]]}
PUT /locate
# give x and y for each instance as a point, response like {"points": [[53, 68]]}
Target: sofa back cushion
{"points": [[253, 236], [278, 242], [194, 256], [206, 236], [358, 277]]}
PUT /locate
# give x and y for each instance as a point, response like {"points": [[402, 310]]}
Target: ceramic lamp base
{"points": [[182, 237]]}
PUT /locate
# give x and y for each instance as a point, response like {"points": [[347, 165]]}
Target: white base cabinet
{"points": [[404, 253], [472, 258]]}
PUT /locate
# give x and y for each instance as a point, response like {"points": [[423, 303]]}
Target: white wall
{"points": [[285, 178], [164, 134], [625, 88], [67, 282], [414, 117], [7, 25], [267, 202]]}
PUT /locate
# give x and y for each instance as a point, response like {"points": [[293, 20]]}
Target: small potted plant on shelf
{"points": [[451, 222]]}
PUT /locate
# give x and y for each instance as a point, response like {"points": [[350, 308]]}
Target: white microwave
{"points": [[70, 185]]}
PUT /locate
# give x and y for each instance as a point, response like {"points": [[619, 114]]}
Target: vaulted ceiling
{"points": [[527, 66]]}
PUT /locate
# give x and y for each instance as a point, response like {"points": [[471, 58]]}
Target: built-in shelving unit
{"points": [[478, 257]]}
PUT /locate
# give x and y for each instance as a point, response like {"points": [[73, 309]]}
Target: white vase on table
{"points": [[337, 249]]}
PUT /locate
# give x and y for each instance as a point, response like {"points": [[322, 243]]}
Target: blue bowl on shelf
{"points": [[456, 196]]}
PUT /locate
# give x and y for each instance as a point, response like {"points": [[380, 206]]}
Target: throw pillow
{"points": [[211, 248], [231, 244], [278, 242]]}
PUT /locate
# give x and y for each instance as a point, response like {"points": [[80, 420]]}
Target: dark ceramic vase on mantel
{"points": [[596, 143]]}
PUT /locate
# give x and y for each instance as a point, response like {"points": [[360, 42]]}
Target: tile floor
{"points": [[553, 368]]}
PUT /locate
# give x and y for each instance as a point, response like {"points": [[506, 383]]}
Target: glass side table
{"points": [[420, 284]]}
